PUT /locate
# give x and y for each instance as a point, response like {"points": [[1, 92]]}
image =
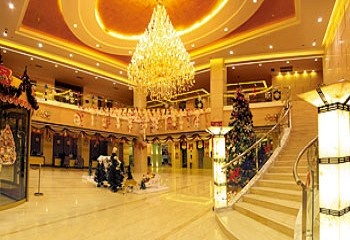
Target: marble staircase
{"points": [[269, 210]]}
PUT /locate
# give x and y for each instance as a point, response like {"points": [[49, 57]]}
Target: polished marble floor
{"points": [[72, 207]]}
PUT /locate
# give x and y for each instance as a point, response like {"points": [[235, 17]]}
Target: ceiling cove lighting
{"points": [[160, 65]]}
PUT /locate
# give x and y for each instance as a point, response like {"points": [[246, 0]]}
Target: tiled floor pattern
{"points": [[74, 208]]}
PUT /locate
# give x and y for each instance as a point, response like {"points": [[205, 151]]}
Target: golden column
{"points": [[218, 82], [140, 151]]}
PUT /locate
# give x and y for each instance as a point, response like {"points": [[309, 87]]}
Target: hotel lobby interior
{"points": [[174, 119]]}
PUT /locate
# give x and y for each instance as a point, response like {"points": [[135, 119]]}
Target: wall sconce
{"points": [[219, 156], [334, 157]]}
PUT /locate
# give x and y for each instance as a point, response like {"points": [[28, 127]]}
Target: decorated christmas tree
{"points": [[239, 139]]}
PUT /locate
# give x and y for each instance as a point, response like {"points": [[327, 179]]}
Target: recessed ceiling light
{"points": [[75, 25], [193, 45], [255, 1], [121, 72], [56, 65], [40, 45], [97, 64], [31, 58], [319, 19], [98, 45], [71, 55], [316, 59], [287, 62], [314, 43], [11, 6], [271, 46], [5, 32], [231, 52], [226, 29]]}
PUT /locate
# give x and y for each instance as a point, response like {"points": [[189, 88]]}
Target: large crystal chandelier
{"points": [[161, 65]]}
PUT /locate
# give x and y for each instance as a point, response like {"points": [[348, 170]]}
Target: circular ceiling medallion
{"points": [[115, 26]]}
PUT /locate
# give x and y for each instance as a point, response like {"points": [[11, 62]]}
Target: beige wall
{"points": [[299, 83], [336, 65]]}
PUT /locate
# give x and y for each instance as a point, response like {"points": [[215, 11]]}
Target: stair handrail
{"points": [[305, 231], [297, 179], [287, 109]]}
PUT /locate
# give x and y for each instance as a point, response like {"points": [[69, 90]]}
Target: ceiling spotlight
{"points": [[225, 29], [314, 43], [97, 64], [319, 19], [71, 55], [75, 25], [40, 45], [231, 52], [271, 46], [11, 6], [5, 32]]}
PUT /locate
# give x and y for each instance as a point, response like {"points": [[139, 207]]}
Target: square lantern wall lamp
{"points": [[334, 157], [219, 156]]}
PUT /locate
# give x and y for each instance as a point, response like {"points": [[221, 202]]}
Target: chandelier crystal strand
{"points": [[160, 64]]}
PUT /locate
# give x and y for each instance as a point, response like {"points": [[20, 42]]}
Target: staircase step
{"points": [[286, 169], [287, 194], [279, 221], [238, 227], [278, 184], [286, 162], [281, 205], [283, 176], [286, 158]]}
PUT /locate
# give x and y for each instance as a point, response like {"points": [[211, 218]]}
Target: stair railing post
{"points": [[257, 157]]}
